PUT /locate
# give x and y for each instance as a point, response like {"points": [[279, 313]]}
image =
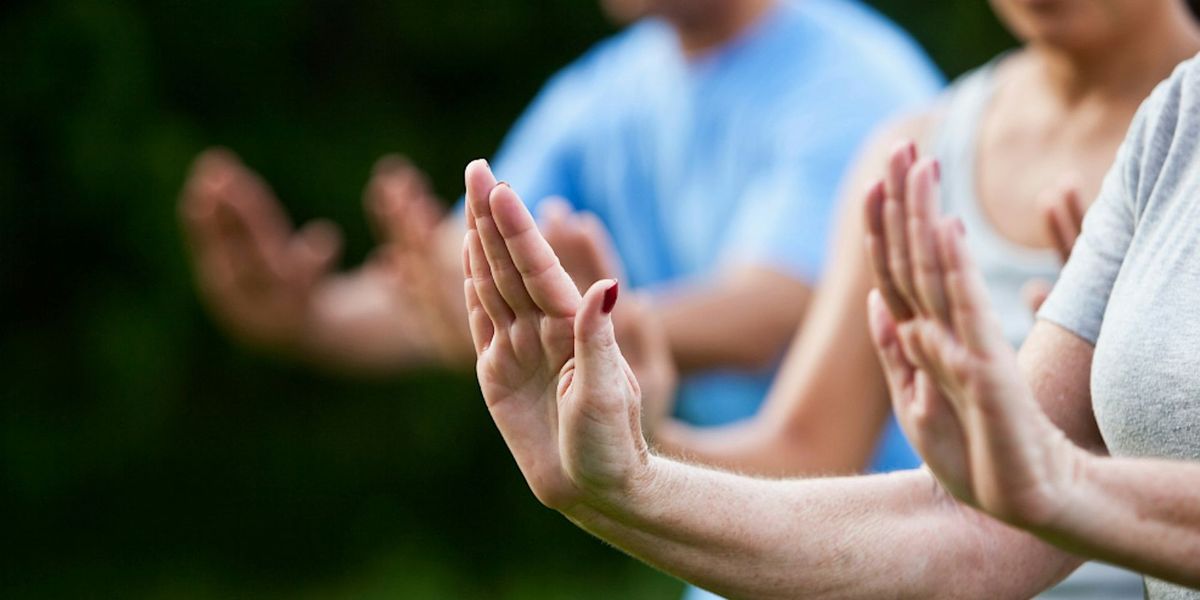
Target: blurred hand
{"points": [[273, 288], [406, 217], [563, 397], [955, 384], [1062, 211], [585, 250], [256, 273]]}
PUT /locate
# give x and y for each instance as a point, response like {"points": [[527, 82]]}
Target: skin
{"points": [[1011, 438], [272, 287], [1049, 135]]}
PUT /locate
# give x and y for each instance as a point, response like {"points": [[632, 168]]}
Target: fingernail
{"points": [[610, 297], [937, 170], [912, 151], [503, 183]]}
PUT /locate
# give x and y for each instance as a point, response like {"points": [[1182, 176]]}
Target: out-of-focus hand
{"points": [[407, 218], [563, 397], [955, 383], [255, 272], [585, 250], [1062, 211]]}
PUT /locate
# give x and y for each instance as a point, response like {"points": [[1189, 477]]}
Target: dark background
{"points": [[143, 455]]}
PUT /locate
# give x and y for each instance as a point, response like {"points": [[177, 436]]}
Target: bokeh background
{"points": [[141, 455]]}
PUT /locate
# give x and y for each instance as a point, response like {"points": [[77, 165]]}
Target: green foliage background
{"points": [[141, 455]]}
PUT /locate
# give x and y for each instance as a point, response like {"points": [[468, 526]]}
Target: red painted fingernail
{"points": [[610, 297]]}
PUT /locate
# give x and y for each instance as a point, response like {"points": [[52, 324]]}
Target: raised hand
{"points": [[407, 217], [563, 397], [1062, 211], [954, 380], [273, 288], [257, 274], [584, 249]]}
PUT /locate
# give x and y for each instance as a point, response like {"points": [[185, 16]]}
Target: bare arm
{"points": [[741, 318], [563, 398], [273, 288], [1013, 436], [826, 408]]}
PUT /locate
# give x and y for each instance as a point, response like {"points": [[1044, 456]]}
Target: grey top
{"points": [[1006, 267], [1132, 285]]}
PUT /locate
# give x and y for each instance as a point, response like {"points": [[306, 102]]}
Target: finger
{"points": [[598, 360], [1051, 218], [314, 250], [1034, 294], [965, 290], [249, 258], [493, 303], [482, 328], [896, 366], [210, 175], [877, 252], [923, 190], [546, 282], [505, 273], [479, 183], [895, 208]]}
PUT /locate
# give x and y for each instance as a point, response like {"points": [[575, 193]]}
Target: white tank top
{"points": [[1006, 266]]}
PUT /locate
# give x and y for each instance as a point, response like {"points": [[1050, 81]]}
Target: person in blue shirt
{"points": [[709, 138]]}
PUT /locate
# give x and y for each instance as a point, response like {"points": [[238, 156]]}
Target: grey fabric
{"points": [[1006, 267], [1132, 287]]}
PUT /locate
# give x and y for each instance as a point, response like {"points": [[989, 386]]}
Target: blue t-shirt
{"points": [[734, 157]]}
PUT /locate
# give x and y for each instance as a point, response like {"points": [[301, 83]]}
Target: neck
{"points": [[714, 23], [1124, 69]]}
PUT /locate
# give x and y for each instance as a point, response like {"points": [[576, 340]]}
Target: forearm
{"points": [[744, 320], [1139, 513], [879, 536], [770, 447]]}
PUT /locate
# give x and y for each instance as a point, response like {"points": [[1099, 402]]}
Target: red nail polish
{"points": [[610, 297]]}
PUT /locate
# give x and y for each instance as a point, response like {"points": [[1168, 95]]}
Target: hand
{"points": [[563, 397], [954, 380], [273, 288], [407, 217], [585, 250], [255, 272], [1062, 211]]}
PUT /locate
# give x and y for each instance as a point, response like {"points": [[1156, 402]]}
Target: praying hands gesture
{"points": [[954, 380], [565, 400]]}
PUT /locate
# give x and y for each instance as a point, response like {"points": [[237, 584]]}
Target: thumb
{"points": [[597, 356]]}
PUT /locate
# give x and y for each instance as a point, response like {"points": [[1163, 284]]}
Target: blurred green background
{"points": [[142, 454]]}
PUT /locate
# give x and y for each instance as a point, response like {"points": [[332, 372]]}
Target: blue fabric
{"points": [[731, 158]]}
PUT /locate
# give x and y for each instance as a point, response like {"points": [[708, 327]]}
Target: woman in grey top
{"points": [[1019, 484]]}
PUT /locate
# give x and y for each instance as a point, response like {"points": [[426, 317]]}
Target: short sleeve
{"points": [[1080, 297]]}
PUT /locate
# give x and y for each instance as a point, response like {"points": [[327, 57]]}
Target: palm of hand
{"points": [[552, 375], [955, 383]]}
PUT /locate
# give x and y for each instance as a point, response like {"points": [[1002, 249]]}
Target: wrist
{"points": [[629, 499]]}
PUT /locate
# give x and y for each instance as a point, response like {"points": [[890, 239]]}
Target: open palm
{"points": [[563, 397]]}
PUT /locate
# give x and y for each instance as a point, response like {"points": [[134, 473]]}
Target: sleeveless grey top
{"points": [[1006, 267]]}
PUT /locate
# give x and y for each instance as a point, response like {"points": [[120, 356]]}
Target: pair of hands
{"points": [[274, 288], [955, 384]]}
